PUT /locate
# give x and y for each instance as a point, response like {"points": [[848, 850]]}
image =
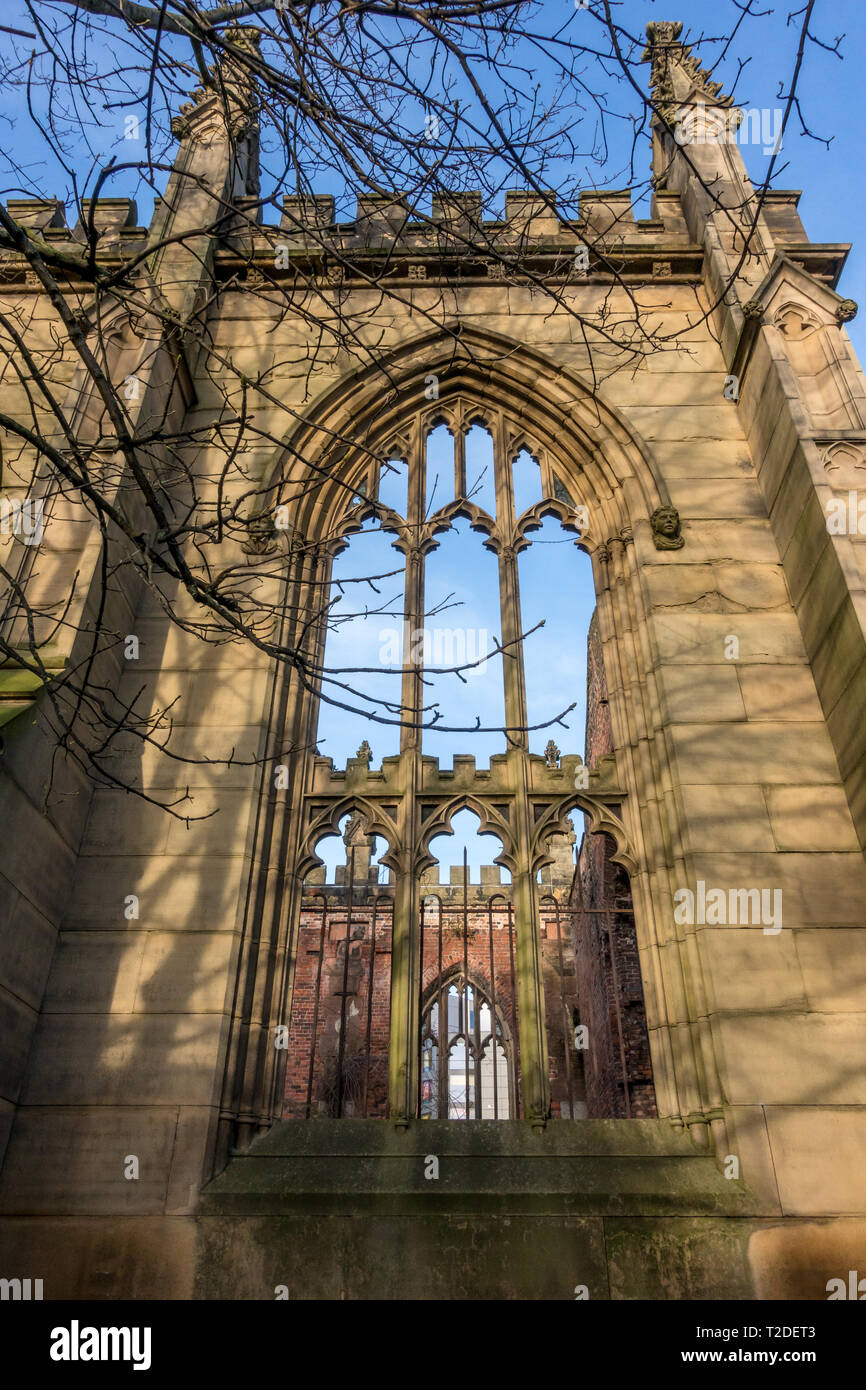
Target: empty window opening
{"points": [[363, 648], [439, 483], [463, 676], [556, 588], [480, 471], [527, 482], [466, 1071]]}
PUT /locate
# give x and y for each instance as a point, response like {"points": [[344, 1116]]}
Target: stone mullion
{"points": [[459, 463], [531, 1029], [405, 952], [403, 1058], [532, 1033], [514, 679], [413, 599]]}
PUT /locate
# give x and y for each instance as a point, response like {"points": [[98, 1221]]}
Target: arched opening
{"points": [[557, 601], [526, 480], [467, 1059], [363, 648], [337, 1038], [479, 469], [463, 675], [439, 469], [572, 490], [610, 1022]]}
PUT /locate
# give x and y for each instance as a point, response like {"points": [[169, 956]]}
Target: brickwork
{"points": [[609, 988], [319, 1082], [332, 996]]}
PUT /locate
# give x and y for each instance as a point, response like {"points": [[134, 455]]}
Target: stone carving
{"points": [[661, 270], [845, 460], [665, 523], [551, 755], [260, 535], [796, 321], [664, 48], [364, 753], [846, 311], [753, 309]]}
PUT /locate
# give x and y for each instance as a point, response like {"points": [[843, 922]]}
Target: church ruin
{"points": [[616, 1100]]}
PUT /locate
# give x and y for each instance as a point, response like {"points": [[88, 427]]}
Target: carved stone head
{"points": [[665, 523]]}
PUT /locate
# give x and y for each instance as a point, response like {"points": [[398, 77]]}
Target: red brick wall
{"points": [[366, 1012], [364, 1090], [609, 988]]}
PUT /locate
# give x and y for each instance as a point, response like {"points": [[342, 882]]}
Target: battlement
{"points": [[454, 240], [548, 776], [457, 222]]}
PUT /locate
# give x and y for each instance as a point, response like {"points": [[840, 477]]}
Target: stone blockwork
{"points": [[735, 667]]}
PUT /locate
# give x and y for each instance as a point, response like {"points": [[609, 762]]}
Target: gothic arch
{"points": [[327, 823], [603, 818], [490, 823], [601, 460]]}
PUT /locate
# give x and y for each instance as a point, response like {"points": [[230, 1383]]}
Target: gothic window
{"points": [[461, 591], [466, 1061]]}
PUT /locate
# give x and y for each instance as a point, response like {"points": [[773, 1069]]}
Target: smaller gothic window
{"points": [[465, 1056], [480, 469], [527, 482], [440, 469], [393, 489]]}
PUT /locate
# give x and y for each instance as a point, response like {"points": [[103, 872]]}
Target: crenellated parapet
{"points": [[387, 241], [390, 239]]}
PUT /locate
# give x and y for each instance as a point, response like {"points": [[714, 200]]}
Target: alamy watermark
{"points": [[77, 1343], [24, 519], [441, 648], [846, 516], [712, 125], [715, 907]]}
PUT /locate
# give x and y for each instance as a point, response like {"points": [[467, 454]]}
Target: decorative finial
{"points": [[552, 754], [364, 753]]}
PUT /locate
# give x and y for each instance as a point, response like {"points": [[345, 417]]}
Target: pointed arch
{"points": [[332, 450], [490, 821]]}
